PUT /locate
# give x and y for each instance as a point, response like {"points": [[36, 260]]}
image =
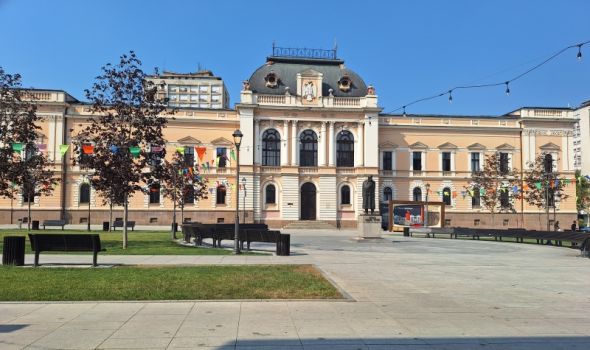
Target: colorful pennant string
{"points": [[63, 149]]}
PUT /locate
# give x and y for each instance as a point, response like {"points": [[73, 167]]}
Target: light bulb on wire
{"points": [[579, 55], [404, 114], [507, 88], [450, 96]]}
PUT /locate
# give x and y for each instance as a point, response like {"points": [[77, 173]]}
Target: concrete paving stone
{"points": [[335, 347], [147, 330], [136, 343], [21, 338], [68, 339], [190, 329], [76, 325], [165, 308], [204, 341]]}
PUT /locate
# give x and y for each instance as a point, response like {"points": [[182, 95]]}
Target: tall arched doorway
{"points": [[308, 201]]}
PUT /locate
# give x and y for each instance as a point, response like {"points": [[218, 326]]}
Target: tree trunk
{"points": [[110, 215], [29, 212], [125, 217], [173, 229]]}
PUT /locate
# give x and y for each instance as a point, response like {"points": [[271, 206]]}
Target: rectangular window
{"points": [[184, 97], [194, 97], [446, 161], [194, 89], [215, 88], [203, 88], [183, 89], [189, 156], [221, 154], [475, 161], [503, 163], [215, 98], [387, 160], [504, 199], [417, 160]]}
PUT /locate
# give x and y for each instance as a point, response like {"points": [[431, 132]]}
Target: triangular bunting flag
{"points": [[114, 148], [232, 154], [17, 147], [63, 149], [134, 150], [180, 149], [87, 149], [201, 152]]}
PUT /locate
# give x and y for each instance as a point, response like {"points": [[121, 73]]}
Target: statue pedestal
{"points": [[369, 226]]}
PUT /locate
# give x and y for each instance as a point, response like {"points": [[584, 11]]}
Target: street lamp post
{"points": [[427, 186], [237, 141], [89, 195]]}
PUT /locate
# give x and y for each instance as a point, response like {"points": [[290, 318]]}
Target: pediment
{"points": [[388, 145], [222, 141], [447, 145], [550, 147], [189, 140], [476, 146], [418, 145], [505, 146]]}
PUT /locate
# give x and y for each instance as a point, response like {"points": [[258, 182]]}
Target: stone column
{"points": [[257, 150], [294, 142], [284, 143], [322, 145], [331, 146], [360, 149]]}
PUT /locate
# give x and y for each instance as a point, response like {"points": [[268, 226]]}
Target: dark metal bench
{"points": [[61, 223], [46, 242], [130, 224]]}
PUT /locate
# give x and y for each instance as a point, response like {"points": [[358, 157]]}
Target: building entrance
{"points": [[308, 201]]}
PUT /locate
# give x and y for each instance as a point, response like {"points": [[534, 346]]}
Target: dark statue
{"points": [[369, 195]]}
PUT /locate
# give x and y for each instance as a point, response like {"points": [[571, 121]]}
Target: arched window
{"points": [[345, 149], [85, 193], [345, 195], [308, 151], [271, 194], [548, 163], [154, 193], [417, 194], [188, 194], [446, 196], [476, 198], [387, 194], [271, 148], [220, 194]]}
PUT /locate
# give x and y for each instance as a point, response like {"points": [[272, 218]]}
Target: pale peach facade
{"points": [[313, 132]]}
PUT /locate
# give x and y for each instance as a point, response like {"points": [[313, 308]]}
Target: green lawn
{"points": [[164, 283], [139, 243]]}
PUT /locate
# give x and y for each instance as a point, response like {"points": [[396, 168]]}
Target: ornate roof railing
{"points": [[304, 53]]}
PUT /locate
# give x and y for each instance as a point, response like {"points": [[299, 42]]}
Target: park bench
{"points": [[56, 223], [263, 236], [119, 223], [46, 242]]}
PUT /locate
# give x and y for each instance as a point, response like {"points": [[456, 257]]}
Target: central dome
{"points": [[279, 74]]}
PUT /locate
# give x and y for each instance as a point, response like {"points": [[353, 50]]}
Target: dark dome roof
{"points": [[286, 70]]}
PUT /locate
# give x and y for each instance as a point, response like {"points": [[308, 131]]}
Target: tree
{"points": [[582, 192], [182, 183], [21, 163], [495, 184], [542, 186], [126, 124]]}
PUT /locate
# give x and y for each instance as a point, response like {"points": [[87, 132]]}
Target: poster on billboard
{"points": [[415, 214]]}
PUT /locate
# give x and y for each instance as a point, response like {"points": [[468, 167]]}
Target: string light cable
{"points": [[505, 83]]}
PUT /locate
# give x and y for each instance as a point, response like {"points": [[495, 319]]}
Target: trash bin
{"points": [[174, 227], [284, 245], [406, 232], [35, 225], [105, 225], [13, 252]]}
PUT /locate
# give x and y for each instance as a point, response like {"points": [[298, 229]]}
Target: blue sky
{"points": [[407, 50]]}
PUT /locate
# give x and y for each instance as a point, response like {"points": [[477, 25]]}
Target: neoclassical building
{"points": [[313, 132]]}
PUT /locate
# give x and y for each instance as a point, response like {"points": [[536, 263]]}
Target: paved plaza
{"points": [[402, 293]]}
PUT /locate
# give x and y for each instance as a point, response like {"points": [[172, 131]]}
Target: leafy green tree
{"points": [[182, 183], [543, 187], [22, 165], [125, 125], [495, 183], [582, 192]]}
